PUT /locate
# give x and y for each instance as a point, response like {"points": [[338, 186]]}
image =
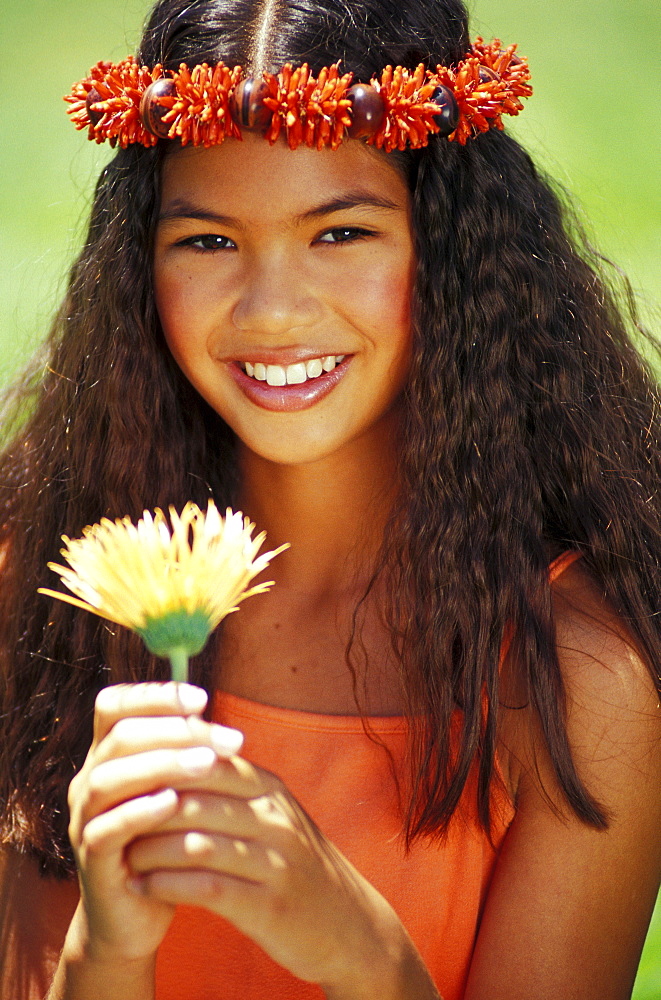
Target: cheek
{"points": [[169, 302], [378, 296], [384, 299], [397, 298], [181, 304]]}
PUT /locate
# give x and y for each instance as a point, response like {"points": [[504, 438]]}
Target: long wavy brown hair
{"points": [[531, 426]]}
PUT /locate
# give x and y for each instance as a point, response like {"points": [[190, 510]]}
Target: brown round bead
{"points": [[151, 113], [367, 111], [247, 106], [93, 97], [486, 74], [447, 118]]}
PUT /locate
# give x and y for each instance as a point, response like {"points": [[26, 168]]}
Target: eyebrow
{"points": [[182, 209], [352, 199]]}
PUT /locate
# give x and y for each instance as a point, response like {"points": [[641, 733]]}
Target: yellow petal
{"points": [[131, 573]]}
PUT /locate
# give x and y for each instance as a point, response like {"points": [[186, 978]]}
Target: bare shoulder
{"points": [[612, 702], [594, 643], [35, 913], [569, 904], [613, 710]]}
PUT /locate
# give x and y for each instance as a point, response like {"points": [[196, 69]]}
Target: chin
{"points": [[289, 453]]}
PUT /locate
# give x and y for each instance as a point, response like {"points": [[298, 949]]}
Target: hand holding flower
{"points": [[242, 846], [164, 811], [150, 743]]}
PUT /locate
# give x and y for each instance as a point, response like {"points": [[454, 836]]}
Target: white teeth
{"points": [[275, 375], [294, 374]]}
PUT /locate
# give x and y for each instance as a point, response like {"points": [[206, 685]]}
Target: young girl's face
{"points": [[283, 283]]}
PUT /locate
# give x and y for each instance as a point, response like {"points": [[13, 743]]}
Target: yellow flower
{"points": [[171, 585]]}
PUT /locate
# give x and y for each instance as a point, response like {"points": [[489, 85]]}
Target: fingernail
{"points": [[164, 800], [226, 741], [192, 698], [197, 760]]}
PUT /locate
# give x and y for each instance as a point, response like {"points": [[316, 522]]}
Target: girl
{"points": [[390, 355]]}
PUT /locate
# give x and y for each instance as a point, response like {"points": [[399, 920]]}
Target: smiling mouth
{"points": [[296, 374]]}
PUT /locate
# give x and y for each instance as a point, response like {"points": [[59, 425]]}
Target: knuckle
{"points": [[191, 805], [106, 701], [209, 885], [74, 812], [265, 806], [272, 783], [277, 868], [198, 730], [286, 842], [120, 738], [198, 846], [76, 793], [73, 832], [89, 844], [72, 791], [252, 777], [96, 787], [217, 884], [268, 809], [238, 849], [278, 899]]}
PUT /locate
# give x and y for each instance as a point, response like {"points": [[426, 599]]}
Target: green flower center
{"points": [[178, 629]]}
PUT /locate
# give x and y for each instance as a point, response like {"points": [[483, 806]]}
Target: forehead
{"points": [[259, 183]]}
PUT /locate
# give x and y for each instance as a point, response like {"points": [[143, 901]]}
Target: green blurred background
{"points": [[594, 123]]}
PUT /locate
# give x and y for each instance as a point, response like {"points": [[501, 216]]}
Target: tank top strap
{"points": [[563, 562]]}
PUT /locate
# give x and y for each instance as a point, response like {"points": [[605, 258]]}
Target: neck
{"points": [[289, 647], [332, 512]]}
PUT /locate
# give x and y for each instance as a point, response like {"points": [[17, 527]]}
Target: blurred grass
{"points": [[594, 123]]}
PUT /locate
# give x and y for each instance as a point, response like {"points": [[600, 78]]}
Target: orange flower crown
{"points": [[128, 103]]}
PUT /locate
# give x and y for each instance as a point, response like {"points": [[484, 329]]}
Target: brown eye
{"points": [[207, 242], [344, 234]]}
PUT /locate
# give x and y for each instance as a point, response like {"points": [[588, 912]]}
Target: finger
{"points": [[231, 816], [235, 777], [119, 700], [111, 831], [137, 734], [231, 897], [190, 768], [196, 850], [115, 781]]}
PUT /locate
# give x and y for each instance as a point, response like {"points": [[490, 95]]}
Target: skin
{"points": [[153, 825], [288, 284]]}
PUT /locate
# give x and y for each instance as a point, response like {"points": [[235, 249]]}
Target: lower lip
{"points": [[288, 398]]}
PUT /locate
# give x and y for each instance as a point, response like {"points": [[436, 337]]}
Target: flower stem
{"points": [[179, 663]]}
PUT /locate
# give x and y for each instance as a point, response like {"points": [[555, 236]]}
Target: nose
{"points": [[275, 298]]}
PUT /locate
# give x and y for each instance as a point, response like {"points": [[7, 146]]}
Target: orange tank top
{"points": [[344, 781]]}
